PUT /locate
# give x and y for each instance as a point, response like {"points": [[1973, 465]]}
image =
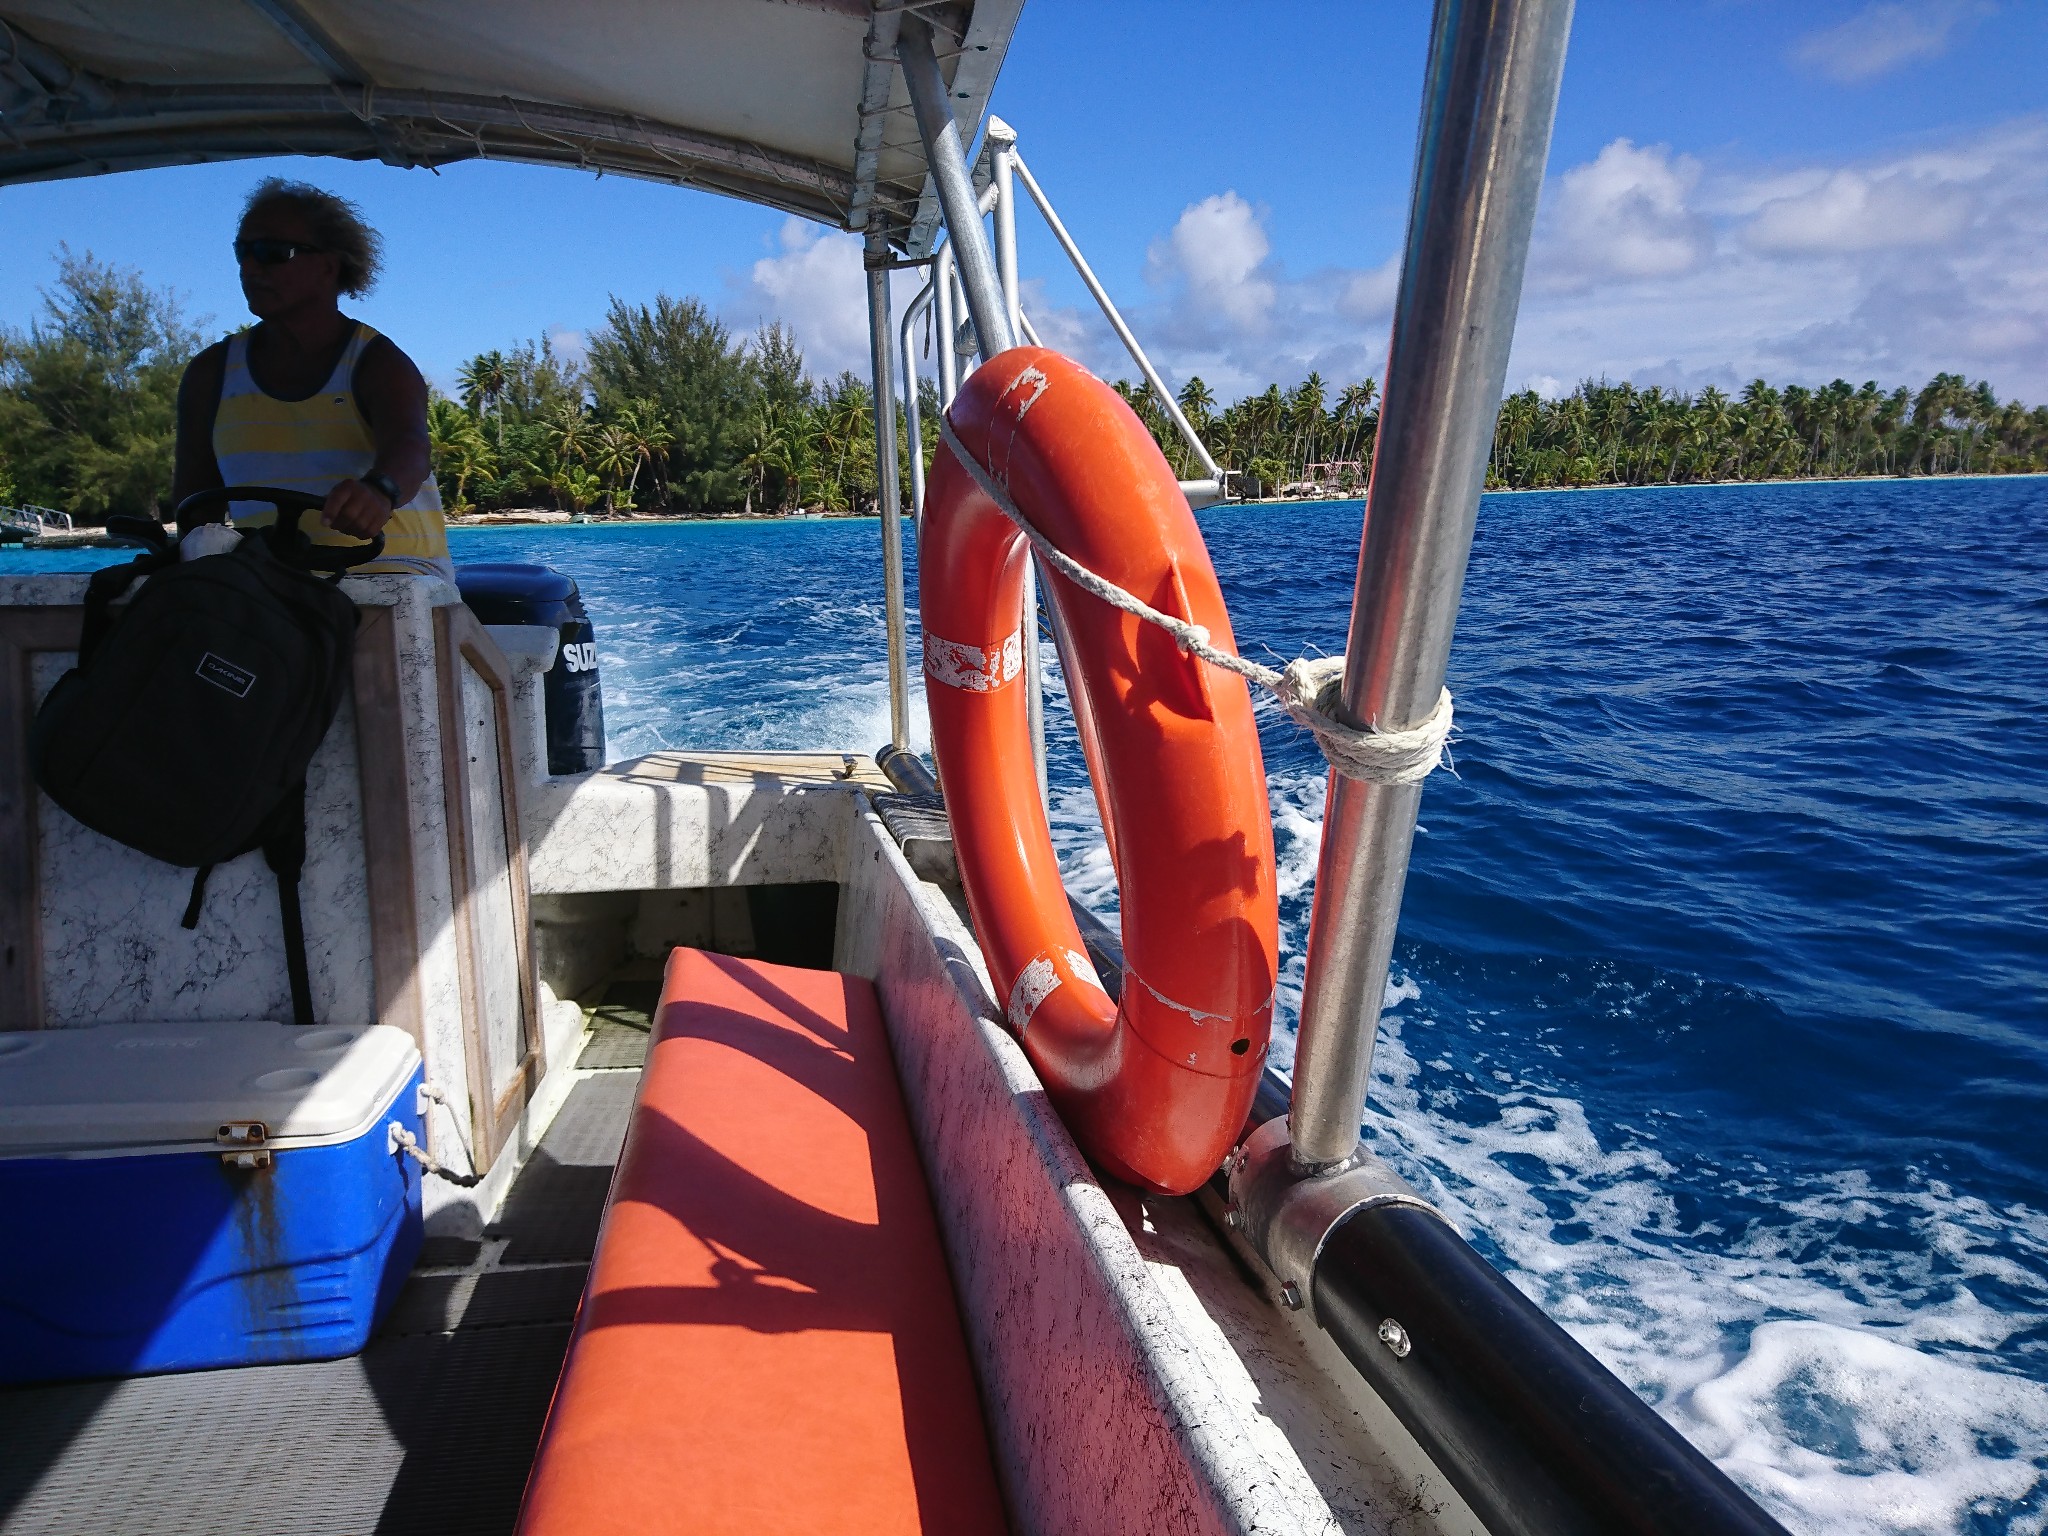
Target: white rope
{"points": [[403, 1140], [1308, 688]]}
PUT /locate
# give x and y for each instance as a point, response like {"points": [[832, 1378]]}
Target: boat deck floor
{"points": [[430, 1429]]}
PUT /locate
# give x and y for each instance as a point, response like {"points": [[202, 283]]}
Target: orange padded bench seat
{"points": [[768, 1341]]}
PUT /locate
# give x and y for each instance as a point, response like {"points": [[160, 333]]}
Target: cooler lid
{"points": [[165, 1086]]}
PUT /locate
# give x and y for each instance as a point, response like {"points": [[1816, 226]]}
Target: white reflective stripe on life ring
{"points": [[970, 667], [1040, 979]]}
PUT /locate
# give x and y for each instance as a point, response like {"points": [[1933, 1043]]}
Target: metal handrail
{"points": [[946, 318], [887, 493], [913, 413], [997, 169], [29, 517], [1111, 313]]}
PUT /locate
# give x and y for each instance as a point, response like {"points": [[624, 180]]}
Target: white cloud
{"points": [[1225, 309], [1648, 265], [1663, 268], [1889, 267], [1625, 213], [1850, 210], [1881, 37], [815, 284], [571, 346], [1219, 305], [1079, 335], [1370, 295], [1217, 248]]}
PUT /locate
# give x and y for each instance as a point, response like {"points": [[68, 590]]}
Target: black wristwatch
{"points": [[383, 485]]}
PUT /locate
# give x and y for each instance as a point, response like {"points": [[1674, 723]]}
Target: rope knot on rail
{"points": [[1309, 688]]}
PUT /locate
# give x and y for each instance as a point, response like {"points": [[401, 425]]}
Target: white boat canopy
{"points": [[797, 104]]}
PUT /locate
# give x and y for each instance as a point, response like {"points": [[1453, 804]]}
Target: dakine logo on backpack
{"points": [[226, 676]]}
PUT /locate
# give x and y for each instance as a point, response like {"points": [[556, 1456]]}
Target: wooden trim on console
{"points": [[458, 637], [387, 825], [23, 633]]}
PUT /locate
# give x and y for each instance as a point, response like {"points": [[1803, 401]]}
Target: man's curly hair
{"points": [[337, 226]]}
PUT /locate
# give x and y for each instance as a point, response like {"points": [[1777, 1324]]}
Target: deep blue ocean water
{"points": [[1720, 1010]]}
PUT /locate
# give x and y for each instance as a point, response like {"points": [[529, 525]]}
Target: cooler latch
{"points": [[244, 1143]]}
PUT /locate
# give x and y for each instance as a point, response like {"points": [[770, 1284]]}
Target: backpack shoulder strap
{"points": [[284, 850], [106, 584]]}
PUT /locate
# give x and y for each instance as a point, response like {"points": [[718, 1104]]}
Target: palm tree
{"points": [[484, 380], [1354, 404], [1524, 415], [614, 453], [567, 430], [646, 438], [1305, 415], [1717, 422], [458, 446]]}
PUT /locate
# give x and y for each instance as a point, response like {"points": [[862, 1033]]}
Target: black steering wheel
{"points": [[287, 541]]}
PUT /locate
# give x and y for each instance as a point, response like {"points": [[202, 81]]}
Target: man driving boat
{"points": [[309, 399]]}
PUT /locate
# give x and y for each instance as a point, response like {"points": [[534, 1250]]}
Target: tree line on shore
{"points": [[669, 411], [1301, 440]]}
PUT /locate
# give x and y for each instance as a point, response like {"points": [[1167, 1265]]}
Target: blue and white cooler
{"points": [[180, 1196]]}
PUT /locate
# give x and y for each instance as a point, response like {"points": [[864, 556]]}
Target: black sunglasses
{"points": [[272, 253]]}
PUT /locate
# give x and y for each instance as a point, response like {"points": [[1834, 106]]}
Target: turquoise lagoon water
{"points": [[1720, 1009]]}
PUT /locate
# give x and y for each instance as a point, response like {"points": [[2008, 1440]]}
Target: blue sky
{"points": [[1736, 187]]}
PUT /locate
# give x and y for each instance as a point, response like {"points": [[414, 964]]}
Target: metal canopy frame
{"points": [[143, 127], [60, 119]]}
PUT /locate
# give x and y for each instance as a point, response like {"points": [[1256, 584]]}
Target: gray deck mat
{"points": [[621, 1024], [552, 1214], [430, 1430], [426, 1433], [495, 1298]]}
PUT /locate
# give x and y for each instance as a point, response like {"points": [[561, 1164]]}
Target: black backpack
{"points": [[187, 726]]}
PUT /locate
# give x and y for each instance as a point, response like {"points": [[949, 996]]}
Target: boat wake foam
{"points": [[1822, 1337]]}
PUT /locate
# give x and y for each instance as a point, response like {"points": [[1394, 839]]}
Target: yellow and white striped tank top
{"points": [[308, 445]]}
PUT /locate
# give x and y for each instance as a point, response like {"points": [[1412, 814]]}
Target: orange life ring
{"points": [[1156, 1089]]}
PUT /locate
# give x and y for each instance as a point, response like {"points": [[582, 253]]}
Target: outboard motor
{"points": [[538, 594]]}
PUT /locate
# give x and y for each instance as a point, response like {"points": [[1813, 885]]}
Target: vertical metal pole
{"points": [[1002, 139], [967, 352], [1034, 682], [1494, 67], [913, 413], [945, 319], [947, 161], [888, 493]]}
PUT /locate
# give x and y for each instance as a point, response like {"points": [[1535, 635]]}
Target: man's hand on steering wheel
{"points": [[356, 509]]}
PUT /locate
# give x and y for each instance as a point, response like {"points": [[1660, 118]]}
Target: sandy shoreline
{"points": [[1680, 485], [539, 518]]}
